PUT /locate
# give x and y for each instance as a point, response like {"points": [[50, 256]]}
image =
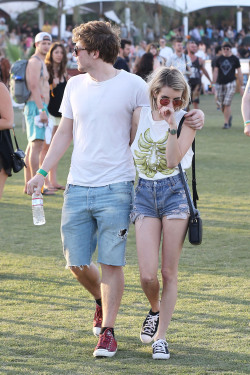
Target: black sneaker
{"points": [[149, 328], [160, 350], [226, 126]]}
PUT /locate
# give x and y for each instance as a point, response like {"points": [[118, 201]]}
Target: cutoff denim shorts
{"points": [[96, 216], [165, 197]]}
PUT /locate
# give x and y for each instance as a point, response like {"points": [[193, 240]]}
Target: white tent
{"points": [[13, 7]]}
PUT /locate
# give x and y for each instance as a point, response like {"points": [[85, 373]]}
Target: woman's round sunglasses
{"points": [[176, 102]]}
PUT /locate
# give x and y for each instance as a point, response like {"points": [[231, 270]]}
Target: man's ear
{"points": [[95, 54]]}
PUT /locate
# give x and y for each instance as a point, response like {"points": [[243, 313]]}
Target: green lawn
{"points": [[46, 317]]}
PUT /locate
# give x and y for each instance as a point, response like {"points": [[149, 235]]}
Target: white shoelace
{"points": [[150, 323]]}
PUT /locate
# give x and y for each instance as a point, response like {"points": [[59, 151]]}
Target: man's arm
{"points": [[33, 81], [195, 119], [215, 76], [240, 78], [202, 63], [57, 149], [245, 108]]}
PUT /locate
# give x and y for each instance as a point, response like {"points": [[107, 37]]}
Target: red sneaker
{"points": [[106, 346], [97, 322]]}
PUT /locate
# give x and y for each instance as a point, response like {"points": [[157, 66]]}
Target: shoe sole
{"points": [[147, 339], [96, 331], [161, 356], [103, 353]]}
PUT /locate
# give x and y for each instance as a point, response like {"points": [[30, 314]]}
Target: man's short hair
{"points": [[226, 44], [217, 49], [178, 40], [124, 42], [99, 36]]}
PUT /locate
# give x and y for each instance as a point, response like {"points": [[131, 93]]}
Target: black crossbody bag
{"points": [[195, 221]]}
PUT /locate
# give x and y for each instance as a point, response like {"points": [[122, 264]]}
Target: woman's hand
{"points": [[167, 114]]}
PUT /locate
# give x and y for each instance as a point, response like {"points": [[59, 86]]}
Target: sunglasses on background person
{"points": [[176, 102], [226, 48]]}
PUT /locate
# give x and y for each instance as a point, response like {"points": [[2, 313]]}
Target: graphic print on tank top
{"points": [[152, 155]]}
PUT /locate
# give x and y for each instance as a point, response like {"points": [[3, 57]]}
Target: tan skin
{"points": [[245, 108], [149, 230], [6, 122], [57, 56], [39, 87]]}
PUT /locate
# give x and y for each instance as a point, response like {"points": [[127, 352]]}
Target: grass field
{"points": [[46, 317]]}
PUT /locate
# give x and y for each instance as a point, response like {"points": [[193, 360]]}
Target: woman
{"points": [[56, 62], [6, 122], [160, 205], [145, 65], [158, 60]]}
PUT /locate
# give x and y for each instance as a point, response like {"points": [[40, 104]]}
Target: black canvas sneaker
{"points": [[149, 328], [160, 350]]}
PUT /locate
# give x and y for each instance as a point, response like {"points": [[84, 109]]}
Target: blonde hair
{"points": [[170, 77], [99, 36]]}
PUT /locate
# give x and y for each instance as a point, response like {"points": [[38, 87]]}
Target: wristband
{"points": [[42, 172], [41, 110], [247, 122]]}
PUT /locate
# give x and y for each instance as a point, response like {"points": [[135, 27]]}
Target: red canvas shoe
{"points": [[97, 322], [107, 345]]}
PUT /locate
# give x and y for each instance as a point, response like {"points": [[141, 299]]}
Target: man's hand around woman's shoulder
{"points": [[195, 119]]}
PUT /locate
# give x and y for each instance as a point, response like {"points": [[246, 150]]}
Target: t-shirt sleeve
{"points": [[237, 63], [142, 97], [66, 108]]}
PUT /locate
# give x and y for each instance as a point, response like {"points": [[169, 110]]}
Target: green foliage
{"points": [[13, 52], [46, 325]]}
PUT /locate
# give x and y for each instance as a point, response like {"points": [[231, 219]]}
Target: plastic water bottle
{"points": [[37, 209]]}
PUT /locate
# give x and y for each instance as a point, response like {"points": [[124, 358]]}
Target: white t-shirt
{"points": [[102, 113], [166, 52], [149, 147]]}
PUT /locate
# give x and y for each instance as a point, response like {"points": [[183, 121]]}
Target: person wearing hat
{"points": [[197, 67], [35, 109], [224, 81]]}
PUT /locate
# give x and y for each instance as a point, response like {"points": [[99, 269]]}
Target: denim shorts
{"points": [[165, 197], [96, 216]]}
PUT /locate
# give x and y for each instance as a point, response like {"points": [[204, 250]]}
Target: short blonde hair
{"points": [[170, 77]]}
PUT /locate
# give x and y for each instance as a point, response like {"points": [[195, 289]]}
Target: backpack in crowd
{"points": [[18, 87]]}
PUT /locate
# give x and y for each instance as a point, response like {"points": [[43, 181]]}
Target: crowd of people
{"points": [[119, 123]]}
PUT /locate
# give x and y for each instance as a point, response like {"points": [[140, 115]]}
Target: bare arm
{"points": [[245, 107], [205, 70], [58, 147], [176, 148], [6, 109], [215, 76], [33, 80], [135, 122], [240, 78]]}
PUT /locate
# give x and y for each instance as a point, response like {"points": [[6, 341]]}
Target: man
{"points": [[37, 81], [197, 66], [245, 108], [179, 59], [122, 61], [225, 79], [165, 51], [96, 111]]}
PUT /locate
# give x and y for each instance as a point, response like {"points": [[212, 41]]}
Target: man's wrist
{"points": [[40, 110], [247, 123], [42, 172]]}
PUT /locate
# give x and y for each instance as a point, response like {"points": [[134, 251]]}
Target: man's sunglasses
{"points": [[176, 102], [226, 48], [76, 49]]}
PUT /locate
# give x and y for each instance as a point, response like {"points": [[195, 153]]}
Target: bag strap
{"points": [[15, 139], [192, 213], [194, 188]]}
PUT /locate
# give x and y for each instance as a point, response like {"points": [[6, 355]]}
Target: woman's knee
{"points": [[169, 275]]}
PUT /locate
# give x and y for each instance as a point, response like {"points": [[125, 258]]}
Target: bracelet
{"points": [[247, 122], [41, 110], [42, 172]]}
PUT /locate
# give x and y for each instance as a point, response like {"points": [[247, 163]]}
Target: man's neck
{"points": [[102, 72], [38, 54]]}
